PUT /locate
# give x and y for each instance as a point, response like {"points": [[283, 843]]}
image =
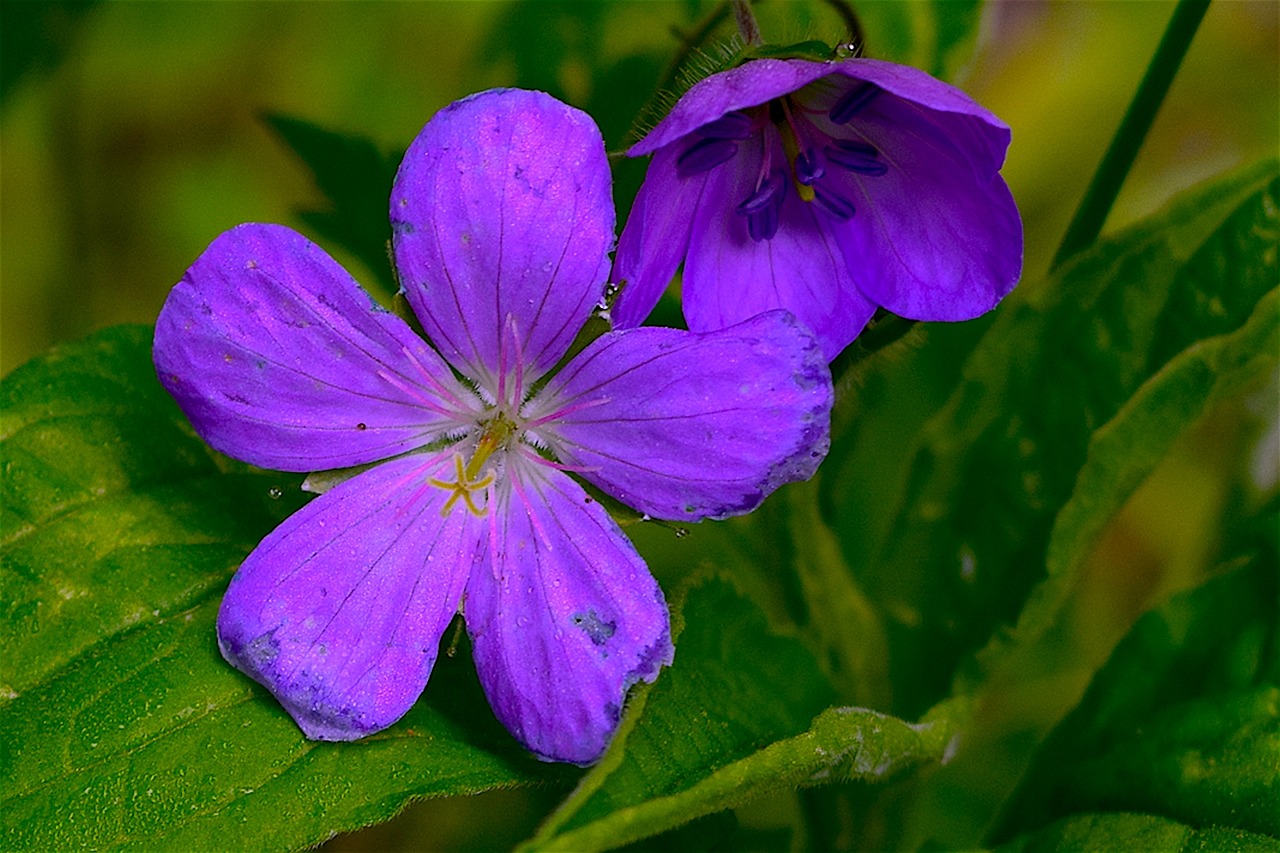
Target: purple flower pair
{"points": [[828, 189], [462, 496]]}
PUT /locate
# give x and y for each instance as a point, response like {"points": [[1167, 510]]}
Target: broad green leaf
{"points": [[113, 512], [1125, 831], [120, 724], [996, 465], [1124, 451], [356, 179], [733, 718], [1183, 720]]}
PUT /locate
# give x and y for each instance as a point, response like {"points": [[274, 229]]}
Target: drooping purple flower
{"points": [[503, 221], [828, 189]]}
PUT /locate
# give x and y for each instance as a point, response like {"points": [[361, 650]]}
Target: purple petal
{"points": [[502, 209], [564, 619], [280, 359], [762, 80], [748, 85], [936, 235], [340, 610], [655, 237], [687, 426], [729, 276]]}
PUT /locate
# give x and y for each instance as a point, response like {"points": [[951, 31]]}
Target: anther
{"points": [[855, 157], [853, 101], [704, 155]]}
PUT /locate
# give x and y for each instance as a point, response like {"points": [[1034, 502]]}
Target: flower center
{"points": [[795, 151], [497, 434]]}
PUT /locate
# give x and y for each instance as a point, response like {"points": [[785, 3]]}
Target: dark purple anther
{"points": [[855, 156], [768, 194], [852, 102], [833, 203], [809, 168], [704, 155]]}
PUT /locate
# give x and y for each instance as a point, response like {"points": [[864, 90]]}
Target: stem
{"points": [[746, 21], [851, 22], [882, 332], [1107, 180]]}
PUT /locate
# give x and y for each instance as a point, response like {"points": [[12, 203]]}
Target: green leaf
{"points": [[731, 719], [356, 178], [1184, 719], [1121, 831], [996, 465], [1124, 451], [120, 724]]}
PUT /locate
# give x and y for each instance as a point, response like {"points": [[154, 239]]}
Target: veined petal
{"points": [[687, 426], [502, 208], [340, 610], [937, 236], [748, 85], [655, 237], [730, 277], [280, 359], [563, 619]]}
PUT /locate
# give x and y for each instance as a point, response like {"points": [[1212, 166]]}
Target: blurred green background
{"points": [[131, 134]]}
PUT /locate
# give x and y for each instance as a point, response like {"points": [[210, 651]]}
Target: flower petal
{"points": [[730, 277], [937, 236], [748, 85], [565, 620], [340, 610], [687, 426], [655, 238], [280, 359], [502, 208]]}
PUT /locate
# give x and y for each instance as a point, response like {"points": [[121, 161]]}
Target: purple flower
{"points": [[826, 188], [503, 222]]}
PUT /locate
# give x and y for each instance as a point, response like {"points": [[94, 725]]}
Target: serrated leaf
{"points": [[997, 464], [356, 179], [120, 724], [730, 720], [1124, 831]]}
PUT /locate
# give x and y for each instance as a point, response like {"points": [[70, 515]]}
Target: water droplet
{"points": [[275, 492]]}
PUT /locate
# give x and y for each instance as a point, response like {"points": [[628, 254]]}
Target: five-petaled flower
{"points": [[828, 189], [502, 220]]}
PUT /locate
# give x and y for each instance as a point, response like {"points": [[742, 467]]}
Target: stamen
{"points": [[853, 101], [855, 157], [534, 517], [567, 410], [559, 466], [734, 125], [417, 394], [435, 384], [768, 194], [834, 203], [809, 168], [792, 142], [704, 155], [761, 207]]}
